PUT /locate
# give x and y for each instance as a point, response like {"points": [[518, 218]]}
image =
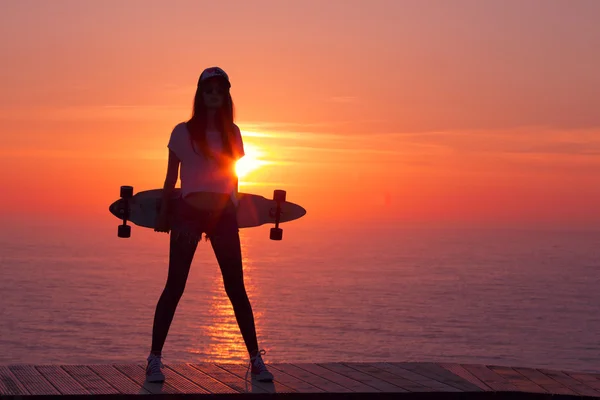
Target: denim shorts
{"points": [[189, 222]]}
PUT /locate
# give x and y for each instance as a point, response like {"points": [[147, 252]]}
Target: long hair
{"points": [[224, 120]]}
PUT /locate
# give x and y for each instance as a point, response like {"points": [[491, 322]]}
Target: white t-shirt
{"points": [[197, 173]]}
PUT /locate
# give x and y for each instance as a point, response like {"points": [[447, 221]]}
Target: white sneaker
{"points": [[154, 369], [259, 369]]}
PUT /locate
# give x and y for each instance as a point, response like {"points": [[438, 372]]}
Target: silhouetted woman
{"points": [[206, 148]]}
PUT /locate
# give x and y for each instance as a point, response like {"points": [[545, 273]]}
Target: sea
{"points": [[71, 293]]}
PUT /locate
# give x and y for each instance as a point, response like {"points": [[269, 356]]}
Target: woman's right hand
{"points": [[162, 223]]}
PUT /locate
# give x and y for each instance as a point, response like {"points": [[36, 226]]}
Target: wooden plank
{"points": [[61, 380], [341, 380], [522, 383], [430, 383], [379, 384], [297, 384], [179, 382], [573, 384], [490, 378], [229, 379], [9, 384], [301, 378], [305, 376], [459, 370], [201, 379], [137, 373], [399, 381], [544, 381], [34, 382], [440, 374], [588, 379], [271, 387], [118, 380], [89, 379]]}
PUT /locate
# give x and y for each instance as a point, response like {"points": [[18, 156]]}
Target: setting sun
{"points": [[250, 162]]}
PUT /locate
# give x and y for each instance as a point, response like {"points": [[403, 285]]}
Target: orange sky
{"points": [[436, 112]]}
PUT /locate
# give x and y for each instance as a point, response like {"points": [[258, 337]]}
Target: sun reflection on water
{"points": [[224, 342]]}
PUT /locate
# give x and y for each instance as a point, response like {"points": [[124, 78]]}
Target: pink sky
{"points": [[463, 111]]}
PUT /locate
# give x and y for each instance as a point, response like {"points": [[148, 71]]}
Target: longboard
{"points": [[252, 211]]}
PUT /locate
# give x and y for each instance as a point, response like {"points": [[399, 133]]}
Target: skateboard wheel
{"points": [[276, 234], [126, 191], [124, 231], [279, 196]]}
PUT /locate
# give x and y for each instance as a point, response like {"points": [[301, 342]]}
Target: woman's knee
{"points": [[179, 267], [235, 289], [174, 290]]}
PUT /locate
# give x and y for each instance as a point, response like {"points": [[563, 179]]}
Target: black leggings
{"points": [[228, 252]]}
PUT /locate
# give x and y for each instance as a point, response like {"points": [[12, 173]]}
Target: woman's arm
{"points": [[170, 180], [239, 153]]}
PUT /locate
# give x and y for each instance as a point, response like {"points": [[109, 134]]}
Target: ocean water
{"points": [[74, 294]]}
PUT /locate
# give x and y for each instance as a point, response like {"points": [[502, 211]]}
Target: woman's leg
{"points": [[226, 246], [181, 254]]}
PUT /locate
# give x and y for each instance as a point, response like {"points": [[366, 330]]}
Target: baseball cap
{"points": [[213, 72]]}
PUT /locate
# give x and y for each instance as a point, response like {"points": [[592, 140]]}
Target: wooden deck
{"points": [[308, 381]]}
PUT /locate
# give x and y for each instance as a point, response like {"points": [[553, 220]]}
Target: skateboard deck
{"points": [[253, 210]]}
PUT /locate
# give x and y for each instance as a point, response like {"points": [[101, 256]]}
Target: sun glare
{"points": [[250, 162]]}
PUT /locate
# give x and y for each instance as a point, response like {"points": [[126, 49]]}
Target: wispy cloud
{"points": [[534, 140], [347, 126], [106, 112], [269, 184], [73, 154], [527, 150]]}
